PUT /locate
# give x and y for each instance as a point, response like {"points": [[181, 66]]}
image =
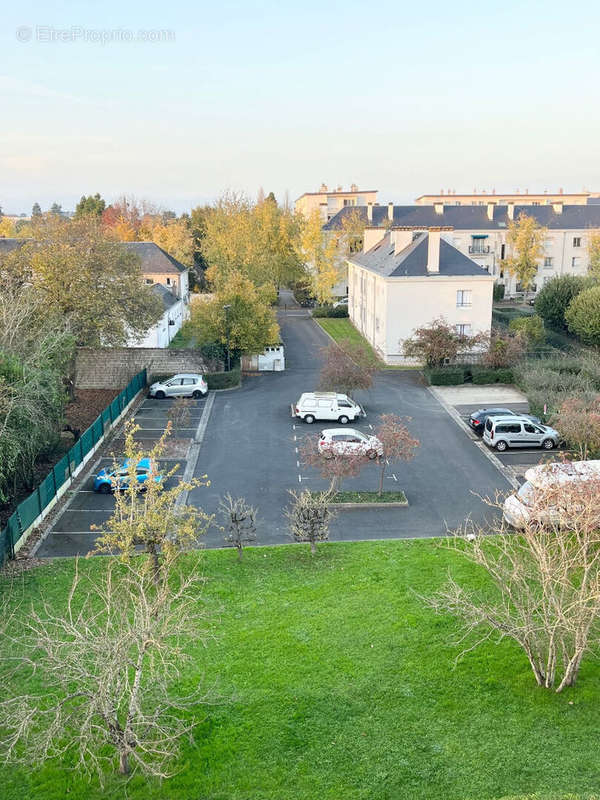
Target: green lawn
{"points": [[341, 686], [341, 328]]}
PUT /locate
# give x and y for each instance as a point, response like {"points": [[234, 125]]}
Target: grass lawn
{"points": [[342, 328], [368, 497], [342, 686]]}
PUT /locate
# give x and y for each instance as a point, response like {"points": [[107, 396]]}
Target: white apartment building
{"points": [[480, 233], [405, 279], [329, 202], [450, 197]]}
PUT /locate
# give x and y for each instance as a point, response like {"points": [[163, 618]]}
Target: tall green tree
{"points": [[583, 316], [36, 211], [525, 239], [593, 248], [92, 206], [554, 298]]}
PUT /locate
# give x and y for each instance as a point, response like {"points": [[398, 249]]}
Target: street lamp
{"points": [[227, 309]]}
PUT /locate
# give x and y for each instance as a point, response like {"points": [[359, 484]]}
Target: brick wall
{"points": [[113, 368]]}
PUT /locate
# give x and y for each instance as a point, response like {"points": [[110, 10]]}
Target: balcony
{"points": [[479, 249]]}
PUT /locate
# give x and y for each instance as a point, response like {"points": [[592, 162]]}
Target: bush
{"points": [[482, 375], [583, 316], [499, 289], [223, 380], [556, 295], [531, 327], [330, 311], [445, 376]]}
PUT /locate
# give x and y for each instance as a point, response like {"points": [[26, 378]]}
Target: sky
{"points": [[178, 102]]}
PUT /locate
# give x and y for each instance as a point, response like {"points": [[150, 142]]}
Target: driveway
{"points": [[250, 449]]}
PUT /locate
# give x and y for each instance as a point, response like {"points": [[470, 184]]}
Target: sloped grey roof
{"points": [[412, 261], [473, 217], [167, 297], [155, 260]]}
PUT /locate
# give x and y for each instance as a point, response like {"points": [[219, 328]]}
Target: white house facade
{"points": [[405, 279], [479, 232]]}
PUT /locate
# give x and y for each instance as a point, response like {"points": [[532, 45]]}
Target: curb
{"points": [[194, 451]]}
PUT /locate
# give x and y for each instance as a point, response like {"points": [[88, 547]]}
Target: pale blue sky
{"points": [[405, 97]]}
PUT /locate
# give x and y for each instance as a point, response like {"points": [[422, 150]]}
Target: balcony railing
{"points": [[479, 249]]}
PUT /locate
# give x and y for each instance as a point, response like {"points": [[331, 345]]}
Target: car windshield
{"points": [[526, 494]]}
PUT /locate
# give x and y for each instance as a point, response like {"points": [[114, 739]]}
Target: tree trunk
{"points": [[124, 762], [240, 552], [313, 547], [381, 477]]}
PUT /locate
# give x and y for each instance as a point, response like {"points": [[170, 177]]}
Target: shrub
{"points": [[532, 328], [555, 296], [583, 316], [445, 376], [482, 375], [223, 380], [499, 289], [330, 311], [505, 349]]}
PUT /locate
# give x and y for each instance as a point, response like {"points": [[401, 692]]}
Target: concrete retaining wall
{"points": [[113, 368]]}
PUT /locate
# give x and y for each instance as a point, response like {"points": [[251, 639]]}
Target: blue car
{"points": [[107, 480]]}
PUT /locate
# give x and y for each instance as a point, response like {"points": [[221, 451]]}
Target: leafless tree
{"points": [[346, 368], [107, 671], [544, 590], [180, 413], [398, 444], [239, 522], [150, 515], [578, 422], [309, 517], [333, 465]]}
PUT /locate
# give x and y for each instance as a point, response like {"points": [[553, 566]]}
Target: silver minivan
{"points": [[185, 384], [505, 432]]}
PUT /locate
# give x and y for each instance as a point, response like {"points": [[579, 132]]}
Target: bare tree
{"points": [[333, 465], [107, 671], [309, 517], [398, 444], [150, 515], [239, 522], [346, 368], [544, 590], [180, 413], [578, 422]]}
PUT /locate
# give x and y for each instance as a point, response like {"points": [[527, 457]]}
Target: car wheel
{"points": [[197, 394], [309, 419], [548, 444], [160, 395], [104, 488], [343, 420], [501, 446]]}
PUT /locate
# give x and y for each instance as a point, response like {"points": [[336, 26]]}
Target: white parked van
{"points": [[327, 405], [517, 507]]}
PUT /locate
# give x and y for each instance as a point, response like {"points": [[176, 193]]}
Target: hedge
{"points": [[457, 375], [445, 376], [223, 380], [330, 311], [481, 375]]}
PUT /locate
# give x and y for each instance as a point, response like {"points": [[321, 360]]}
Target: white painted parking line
{"points": [[299, 478], [297, 463]]}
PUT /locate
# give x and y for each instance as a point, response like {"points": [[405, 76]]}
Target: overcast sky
{"points": [[402, 97]]}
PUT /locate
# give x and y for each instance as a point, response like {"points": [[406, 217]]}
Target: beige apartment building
{"points": [[479, 232], [329, 202], [406, 278], [502, 198]]}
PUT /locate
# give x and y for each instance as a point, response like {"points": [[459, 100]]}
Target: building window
{"points": [[349, 201], [575, 261], [548, 262], [463, 330], [479, 245], [463, 298], [168, 281], [577, 241], [148, 281], [502, 252]]}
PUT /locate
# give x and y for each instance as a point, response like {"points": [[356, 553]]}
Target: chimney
{"points": [[353, 187], [439, 208], [391, 212], [371, 237], [557, 206], [433, 251], [370, 212], [323, 187], [510, 210], [490, 211], [402, 237]]}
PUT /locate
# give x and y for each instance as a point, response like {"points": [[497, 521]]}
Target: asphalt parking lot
{"points": [[250, 450], [71, 533]]}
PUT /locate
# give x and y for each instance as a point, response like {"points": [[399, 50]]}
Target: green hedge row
{"points": [[459, 374], [223, 380], [330, 311]]}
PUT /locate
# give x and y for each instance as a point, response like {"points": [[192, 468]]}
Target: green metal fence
{"points": [[33, 506]]}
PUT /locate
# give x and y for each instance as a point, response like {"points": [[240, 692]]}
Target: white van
{"points": [[516, 509], [327, 405]]}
